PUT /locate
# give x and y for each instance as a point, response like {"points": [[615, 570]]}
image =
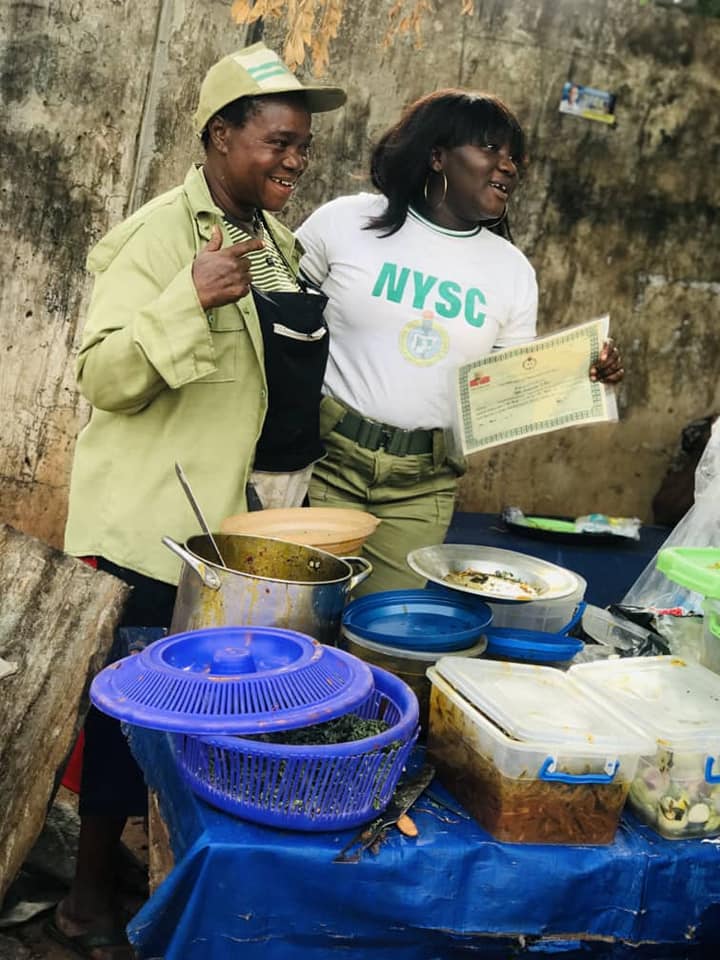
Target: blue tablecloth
{"points": [[610, 569], [252, 892]]}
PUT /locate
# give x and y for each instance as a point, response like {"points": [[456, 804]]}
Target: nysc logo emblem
{"points": [[423, 341]]}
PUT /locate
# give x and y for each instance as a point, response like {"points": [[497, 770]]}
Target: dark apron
{"points": [[295, 340]]}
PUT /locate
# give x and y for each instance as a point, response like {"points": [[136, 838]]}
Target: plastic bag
{"points": [[599, 523], [626, 633], [684, 635], [700, 527]]}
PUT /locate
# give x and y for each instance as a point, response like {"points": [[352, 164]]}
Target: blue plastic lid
{"points": [[232, 680], [417, 620], [531, 646]]}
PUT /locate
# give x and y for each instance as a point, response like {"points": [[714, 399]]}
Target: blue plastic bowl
{"points": [[535, 646], [420, 620], [531, 646]]}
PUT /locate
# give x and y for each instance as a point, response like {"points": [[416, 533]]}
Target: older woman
{"points": [[183, 361], [419, 281]]}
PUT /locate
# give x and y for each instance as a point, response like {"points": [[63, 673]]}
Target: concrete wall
{"points": [[622, 220]]}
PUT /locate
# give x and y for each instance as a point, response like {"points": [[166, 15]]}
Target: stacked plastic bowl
{"points": [[406, 631], [535, 631]]}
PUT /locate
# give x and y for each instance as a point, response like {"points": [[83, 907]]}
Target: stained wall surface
{"points": [[92, 92], [97, 98]]}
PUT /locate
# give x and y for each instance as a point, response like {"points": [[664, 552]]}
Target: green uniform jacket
{"points": [[168, 382]]}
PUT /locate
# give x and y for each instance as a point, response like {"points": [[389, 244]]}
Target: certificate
{"points": [[535, 388]]}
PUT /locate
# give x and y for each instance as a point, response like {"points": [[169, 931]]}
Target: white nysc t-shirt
{"points": [[406, 310]]}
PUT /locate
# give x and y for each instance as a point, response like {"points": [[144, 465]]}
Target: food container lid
{"points": [[419, 620], [540, 705], [232, 680], [696, 568], [673, 701]]}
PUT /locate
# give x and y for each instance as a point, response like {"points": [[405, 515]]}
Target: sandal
{"points": [[85, 943]]}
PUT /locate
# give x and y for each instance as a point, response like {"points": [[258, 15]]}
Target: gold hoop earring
{"points": [[426, 190]]}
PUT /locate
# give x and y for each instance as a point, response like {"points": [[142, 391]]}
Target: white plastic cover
{"points": [[672, 700], [540, 705]]}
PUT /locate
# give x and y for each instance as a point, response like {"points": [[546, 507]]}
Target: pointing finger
{"points": [[243, 247]]}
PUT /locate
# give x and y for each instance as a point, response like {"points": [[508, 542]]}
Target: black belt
{"points": [[381, 436]]}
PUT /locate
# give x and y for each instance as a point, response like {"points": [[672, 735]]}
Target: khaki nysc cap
{"points": [[253, 72]]}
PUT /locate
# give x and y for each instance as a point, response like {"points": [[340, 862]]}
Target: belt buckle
{"points": [[397, 441], [386, 438]]}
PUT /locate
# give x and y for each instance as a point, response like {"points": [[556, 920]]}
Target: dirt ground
{"points": [[31, 934]]}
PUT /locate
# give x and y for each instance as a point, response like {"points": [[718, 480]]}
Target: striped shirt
{"points": [[269, 269]]}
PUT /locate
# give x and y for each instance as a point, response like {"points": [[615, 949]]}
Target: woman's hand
{"points": [[223, 276], [608, 368]]}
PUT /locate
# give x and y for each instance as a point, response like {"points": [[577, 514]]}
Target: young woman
{"points": [[420, 279]]}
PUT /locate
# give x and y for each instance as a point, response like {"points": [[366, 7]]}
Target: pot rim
{"points": [[254, 576]]}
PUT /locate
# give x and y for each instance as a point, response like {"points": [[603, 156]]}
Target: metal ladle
{"points": [[197, 511]]}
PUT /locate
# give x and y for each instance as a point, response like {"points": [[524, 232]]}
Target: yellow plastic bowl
{"points": [[335, 529]]}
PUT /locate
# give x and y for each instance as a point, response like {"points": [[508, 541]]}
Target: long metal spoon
{"points": [[197, 511]]}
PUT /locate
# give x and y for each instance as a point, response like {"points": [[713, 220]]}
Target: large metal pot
{"points": [[265, 581]]}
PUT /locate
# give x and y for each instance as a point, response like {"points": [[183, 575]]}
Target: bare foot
{"points": [[97, 938]]}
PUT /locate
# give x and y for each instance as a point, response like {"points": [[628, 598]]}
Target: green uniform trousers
{"points": [[413, 496]]}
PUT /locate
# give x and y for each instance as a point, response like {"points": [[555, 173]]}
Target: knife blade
{"points": [[407, 792]]}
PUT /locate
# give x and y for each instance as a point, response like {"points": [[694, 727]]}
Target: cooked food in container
{"points": [[676, 790], [501, 583], [502, 576], [530, 755]]}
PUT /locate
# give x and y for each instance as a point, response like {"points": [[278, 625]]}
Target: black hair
{"points": [[400, 161], [238, 112]]}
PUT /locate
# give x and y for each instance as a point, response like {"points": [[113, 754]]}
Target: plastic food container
{"points": [[549, 616], [611, 631], [698, 569], [529, 753], [677, 787], [710, 650], [406, 631], [410, 665]]}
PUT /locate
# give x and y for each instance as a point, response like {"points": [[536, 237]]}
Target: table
{"points": [[247, 891], [610, 570]]}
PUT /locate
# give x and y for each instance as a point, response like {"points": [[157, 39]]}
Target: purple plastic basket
{"points": [[309, 787]]}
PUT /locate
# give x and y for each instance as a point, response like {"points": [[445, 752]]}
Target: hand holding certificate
{"points": [[535, 388]]}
